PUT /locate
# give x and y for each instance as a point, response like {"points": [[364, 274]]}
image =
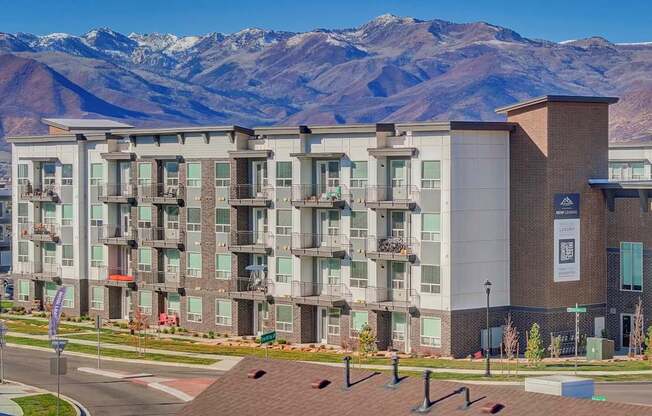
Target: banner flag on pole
{"points": [[55, 316]]}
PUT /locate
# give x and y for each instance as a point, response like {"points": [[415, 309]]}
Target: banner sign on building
{"points": [[567, 237], [55, 316]]}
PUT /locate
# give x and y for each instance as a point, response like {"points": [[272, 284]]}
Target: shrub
{"points": [[173, 330], [211, 334], [534, 351], [367, 341], [281, 341]]}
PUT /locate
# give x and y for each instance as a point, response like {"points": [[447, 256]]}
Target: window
{"points": [[398, 172], [222, 220], [173, 304], [172, 217], [97, 174], [430, 174], [331, 269], [23, 289], [284, 269], [631, 266], [23, 252], [430, 331], [66, 174], [97, 256], [193, 174], [358, 224], [358, 320], [97, 298], [284, 318], [223, 266], [23, 174], [144, 217], [222, 174], [193, 268], [284, 174], [172, 256], [223, 312], [359, 274], [398, 326], [194, 219], [638, 170], [145, 301], [49, 213], [397, 270], [97, 215], [430, 280], [430, 226], [49, 292], [359, 174], [397, 219], [334, 321], [49, 174], [49, 253], [171, 174], [144, 174], [23, 213], [194, 309], [144, 259], [283, 222], [66, 214], [67, 256]]}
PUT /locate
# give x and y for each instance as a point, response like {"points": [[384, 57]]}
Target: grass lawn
{"points": [[43, 405], [38, 327], [6, 304], [108, 352]]}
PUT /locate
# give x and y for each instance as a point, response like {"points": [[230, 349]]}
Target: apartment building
{"points": [[314, 231], [5, 227]]}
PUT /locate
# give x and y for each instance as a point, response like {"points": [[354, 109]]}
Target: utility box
{"points": [[599, 349], [566, 386]]}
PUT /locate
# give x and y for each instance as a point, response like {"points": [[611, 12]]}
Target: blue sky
{"points": [[618, 21]]}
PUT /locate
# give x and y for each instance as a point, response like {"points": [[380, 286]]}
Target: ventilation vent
{"points": [[491, 408], [319, 383], [256, 373]]}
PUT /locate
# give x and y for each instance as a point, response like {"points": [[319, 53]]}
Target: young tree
{"points": [[648, 343], [555, 347], [510, 338], [636, 336], [367, 340], [534, 350]]}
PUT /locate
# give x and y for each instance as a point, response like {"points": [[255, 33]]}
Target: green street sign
{"points": [[576, 309], [599, 398], [268, 337]]}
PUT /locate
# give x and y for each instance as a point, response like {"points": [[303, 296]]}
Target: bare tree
{"points": [[510, 338], [637, 335]]}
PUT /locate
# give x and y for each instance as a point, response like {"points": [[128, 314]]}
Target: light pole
{"points": [[487, 368]]}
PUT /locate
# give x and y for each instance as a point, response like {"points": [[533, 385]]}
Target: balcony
{"points": [[252, 288], [44, 272], [392, 248], [313, 293], [121, 193], [319, 196], [251, 195], [39, 232], [162, 194], [319, 245], [116, 235], [41, 193], [251, 242], [159, 237], [386, 299], [170, 280], [112, 276], [391, 197]]}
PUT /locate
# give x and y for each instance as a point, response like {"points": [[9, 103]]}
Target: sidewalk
{"points": [[11, 390]]}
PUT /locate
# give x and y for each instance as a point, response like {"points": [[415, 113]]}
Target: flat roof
{"points": [[176, 130], [557, 99], [71, 124]]}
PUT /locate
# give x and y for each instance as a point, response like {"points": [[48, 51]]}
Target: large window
{"points": [[397, 271], [49, 253], [171, 173], [66, 174], [144, 217], [144, 174], [358, 224], [97, 174], [23, 252], [223, 312], [631, 266], [430, 331], [359, 277], [331, 269], [334, 321], [194, 174], [222, 174], [222, 220], [284, 174], [173, 302], [69, 297], [97, 256], [284, 269], [359, 175], [23, 213], [49, 174], [194, 309], [97, 298], [284, 318], [172, 263], [67, 256], [144, 259], [97, 215], [398, 326], [430, 280], [49, 213], [23, 174], [23, 289], [430, 226], [172, 217], [358, 320], [194, 219], [223, 266], [66, 214], [49, 292], [193, 268], [283, 222], [431, 174], [145, 301]]}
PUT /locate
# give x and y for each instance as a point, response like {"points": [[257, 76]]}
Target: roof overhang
{"points": [[173, 131], [624, 189], [557, 99], [392, 151], [318, 155], [250, 154]]}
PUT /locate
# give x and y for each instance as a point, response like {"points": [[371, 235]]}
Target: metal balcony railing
{"points": [[248, 284], [377, 193], [167, 278], [109, 233], [49, 192], [314, 289], [39, 231], [307, 240], [248, 191], [386, 297], [161, 193], [397, 246], [319, 194], [251, 238], [42, 271], [160, 234], [116, 190]]}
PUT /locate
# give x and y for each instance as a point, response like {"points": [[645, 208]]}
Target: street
{"points": [[100, 395]]}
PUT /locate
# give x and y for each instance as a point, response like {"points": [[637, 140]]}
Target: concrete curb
{"points": [[112, 374], [80, 409], [171, 391]]}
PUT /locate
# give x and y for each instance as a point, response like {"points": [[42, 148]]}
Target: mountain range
{"points": [[389, 69]]}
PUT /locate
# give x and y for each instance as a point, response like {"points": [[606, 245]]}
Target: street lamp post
{"points": [[487, 368]]}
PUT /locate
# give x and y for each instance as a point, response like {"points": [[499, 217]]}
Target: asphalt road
{"points": [[100, 395], [626, 392]]}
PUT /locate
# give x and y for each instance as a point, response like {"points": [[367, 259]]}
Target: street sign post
{"points": [[3, 341], [98, 326], [267, 338], [58, 345], [577, 310]]}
